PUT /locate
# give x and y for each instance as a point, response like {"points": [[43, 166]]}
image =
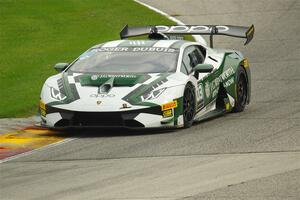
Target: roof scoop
{"points": [[106, 87]]}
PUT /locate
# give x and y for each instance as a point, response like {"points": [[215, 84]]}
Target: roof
{"points": [[144, 43]]}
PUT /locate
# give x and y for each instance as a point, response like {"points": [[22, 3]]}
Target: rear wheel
{"points": [[189, 105], [241, 91]]}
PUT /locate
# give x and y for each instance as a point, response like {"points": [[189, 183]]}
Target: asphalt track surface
{"points": [[249, 155]]}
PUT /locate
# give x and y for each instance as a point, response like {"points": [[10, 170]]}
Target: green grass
{"points": [[36, 34]]}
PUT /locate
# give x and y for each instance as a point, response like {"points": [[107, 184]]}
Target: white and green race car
{"points": [[160, 82]]}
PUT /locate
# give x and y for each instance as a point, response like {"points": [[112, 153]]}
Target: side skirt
{"points": [[209, 111], [212, 114]]}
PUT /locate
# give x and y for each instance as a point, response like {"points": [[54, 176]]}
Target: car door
{"points": [[206, 84], [192, 56]]}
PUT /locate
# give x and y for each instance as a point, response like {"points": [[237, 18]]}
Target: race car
{"points": [[163, 81]]}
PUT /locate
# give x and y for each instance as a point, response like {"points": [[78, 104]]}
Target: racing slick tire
{"points": [[189, 105], [241, 90]]}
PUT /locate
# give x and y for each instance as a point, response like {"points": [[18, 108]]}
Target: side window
{"points": [[196, 57], [192, 56], [186, 61], [199, 55], [183, 69], [202, 51]]}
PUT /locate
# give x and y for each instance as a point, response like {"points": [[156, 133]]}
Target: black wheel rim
{"points": [[242, 90], [188, 105]]}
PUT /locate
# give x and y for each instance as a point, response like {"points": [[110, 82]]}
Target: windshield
{"points": [[129, 60]]}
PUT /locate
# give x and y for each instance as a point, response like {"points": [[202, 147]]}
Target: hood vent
{"points": [[106, 87]]}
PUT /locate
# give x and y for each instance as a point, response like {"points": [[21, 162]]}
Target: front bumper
{"points": [[150, 117]]}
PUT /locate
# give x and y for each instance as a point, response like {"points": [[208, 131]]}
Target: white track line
{"points": [[37, 150], [198, 38]]}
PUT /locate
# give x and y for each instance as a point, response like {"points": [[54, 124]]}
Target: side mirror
{"points": [[202, 68], [61, 66]]}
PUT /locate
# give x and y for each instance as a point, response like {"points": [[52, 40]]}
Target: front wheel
{"points": [[189, 105], [241, 91]]}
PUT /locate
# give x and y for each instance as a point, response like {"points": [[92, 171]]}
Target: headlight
{"points": [[55, 94], [152, 94]]}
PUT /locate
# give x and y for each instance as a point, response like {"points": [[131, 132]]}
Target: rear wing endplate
{"points": [[211, 30]]}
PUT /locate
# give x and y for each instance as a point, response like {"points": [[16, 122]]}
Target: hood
{"points": [[84, 91]]}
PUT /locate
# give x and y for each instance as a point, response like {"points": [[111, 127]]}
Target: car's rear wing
{"points": [[233, 31]]}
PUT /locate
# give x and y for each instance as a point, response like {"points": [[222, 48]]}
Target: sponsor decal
{"points": [[211, 88], [154, 49], [200, 96], [167, 113], [94, 77], [168, 106], [227, 73], [111, 49], [207, 89], [215, 83], [190, 29], [214, 86], [229, 82], [100, 76], [136, 49], [102, 95]]}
